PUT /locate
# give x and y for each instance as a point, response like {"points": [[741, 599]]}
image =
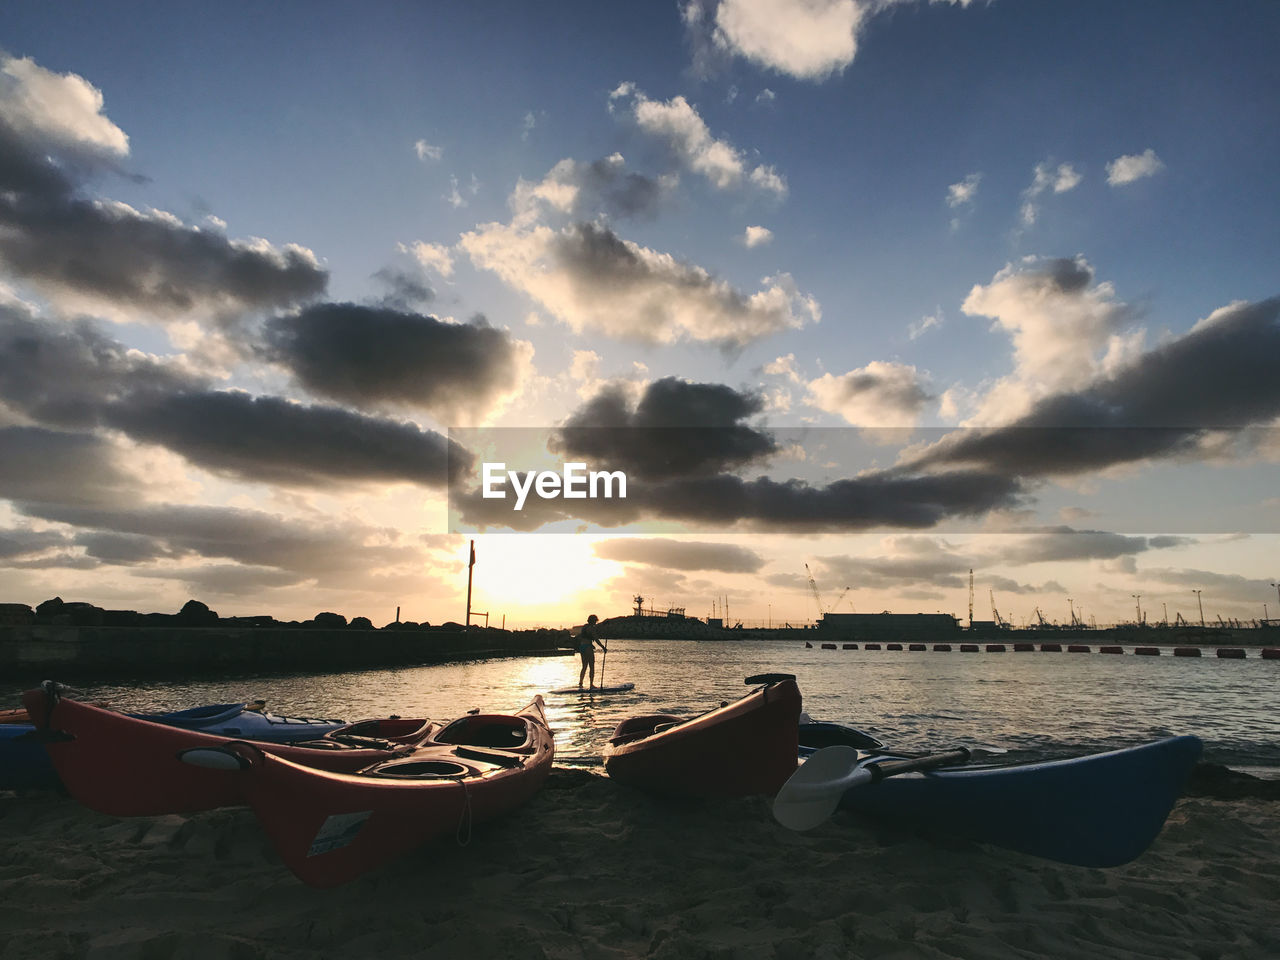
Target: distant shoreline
{"points": [[41, 651]]}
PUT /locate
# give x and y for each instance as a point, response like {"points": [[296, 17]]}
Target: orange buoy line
{"points": [[1223, 653]]}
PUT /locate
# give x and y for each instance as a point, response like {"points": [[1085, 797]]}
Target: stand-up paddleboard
{"points": [[588, 691]]}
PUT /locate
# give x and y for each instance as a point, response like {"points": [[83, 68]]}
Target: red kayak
{"points": [[331, 827], [128, 767], [743, 748]]}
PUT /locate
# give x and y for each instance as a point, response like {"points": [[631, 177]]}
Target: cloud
{"points": [[407, 289], [1061, 180], [1218, 377], [962, 194], [432, 256], [877, 395], [680, 554], [757, 237], [344, 554], [1066, 544], [678, 124], [1065, 329], [1131, 167], [456, 197], [102, 256], [426, 151], [674, 429], [925, 323], [783, 367], [805, 39], [591, 279], [71, 376], [42, 466], [727, 501], [587, 189], [273, 440], [379, 356], [57, 113]]}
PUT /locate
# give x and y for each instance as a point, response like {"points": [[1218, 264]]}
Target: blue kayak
{"points": [[1095, 811], [245, 721], [24, 762]]}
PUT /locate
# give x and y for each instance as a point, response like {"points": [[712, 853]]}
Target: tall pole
{"points": [[971, 598], [470, 568], [1201, 603], [1138, 598]]}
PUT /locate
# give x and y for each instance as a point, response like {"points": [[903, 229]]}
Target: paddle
{"points": [[812, 794], [603, 661]]}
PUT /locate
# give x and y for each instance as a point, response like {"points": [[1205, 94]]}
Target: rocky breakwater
{"points": [[79, 639]]}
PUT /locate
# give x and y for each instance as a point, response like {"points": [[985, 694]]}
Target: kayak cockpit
{"points": [[494, 731], [636, 728]]}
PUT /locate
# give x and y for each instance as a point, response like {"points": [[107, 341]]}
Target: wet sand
{"points": [[591, 869]]}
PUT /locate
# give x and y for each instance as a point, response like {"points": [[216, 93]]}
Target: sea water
{"points": [[1014, 706]]}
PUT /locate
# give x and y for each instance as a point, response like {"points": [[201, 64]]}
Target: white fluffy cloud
{"points": [[433, 256], [682, 128], [806, 39], [1065, 330], [1133, 167], [878, 395], [591, 279], [61, 112], [757, 236]]}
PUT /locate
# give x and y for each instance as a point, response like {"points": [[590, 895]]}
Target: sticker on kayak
{"points": [[338, 830]]}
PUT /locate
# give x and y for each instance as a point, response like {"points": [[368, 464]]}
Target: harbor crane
{"points": [[995, 614], [817, 598]]}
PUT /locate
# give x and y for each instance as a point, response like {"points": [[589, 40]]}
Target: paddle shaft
{"points": [[603, 661], [873, 773]]}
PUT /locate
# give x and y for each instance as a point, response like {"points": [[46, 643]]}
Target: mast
{"points": [[971, 598], [470, 569]]}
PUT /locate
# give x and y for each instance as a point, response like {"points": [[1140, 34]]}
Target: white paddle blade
{"points": [[812, 794], [211, 758]]}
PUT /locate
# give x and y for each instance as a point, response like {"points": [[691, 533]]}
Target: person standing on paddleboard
{"points": [[587, 643]]}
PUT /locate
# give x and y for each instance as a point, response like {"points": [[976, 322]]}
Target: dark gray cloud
{"points": [[70, 244], [607, 186], [406, 289], [123, 549], [1215, 587], [1220, 376], [681, 554], [65, 374], [229, 579], [332, 553], [766, 505], [375, 355], [272, 440], [16, 542], [1064, 543], [73, 376], [40, 466], [677, 429]]}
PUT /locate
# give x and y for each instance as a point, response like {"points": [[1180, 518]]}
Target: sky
{"points": [[876, 292]]}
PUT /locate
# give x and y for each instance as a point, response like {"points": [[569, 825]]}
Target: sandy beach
{"points": [[591, 869]]}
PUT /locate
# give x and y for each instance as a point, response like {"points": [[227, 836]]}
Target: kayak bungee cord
{"points": [[463, 834]]}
